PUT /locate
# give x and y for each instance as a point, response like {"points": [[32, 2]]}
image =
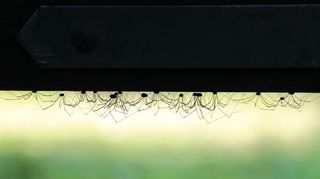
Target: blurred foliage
{"points": [[280, 144], [95, 158]]}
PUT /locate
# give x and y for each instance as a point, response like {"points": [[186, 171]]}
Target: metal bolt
{"points": [[84, 39]]}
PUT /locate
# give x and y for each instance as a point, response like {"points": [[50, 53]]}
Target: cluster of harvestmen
{"points": [[209, 106]]}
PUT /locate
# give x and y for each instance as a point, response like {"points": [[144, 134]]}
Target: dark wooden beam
{"points": [[19, 72]]}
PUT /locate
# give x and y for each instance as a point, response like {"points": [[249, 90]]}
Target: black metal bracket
{"points": [[174, 37]]}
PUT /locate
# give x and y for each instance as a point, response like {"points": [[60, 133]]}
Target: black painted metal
{"points": [[18, 72]]}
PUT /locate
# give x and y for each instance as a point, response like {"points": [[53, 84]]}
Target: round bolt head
{"points": [[84, 39]]}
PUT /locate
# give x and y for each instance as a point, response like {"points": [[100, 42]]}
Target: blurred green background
{"points": [[37, 144]]}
